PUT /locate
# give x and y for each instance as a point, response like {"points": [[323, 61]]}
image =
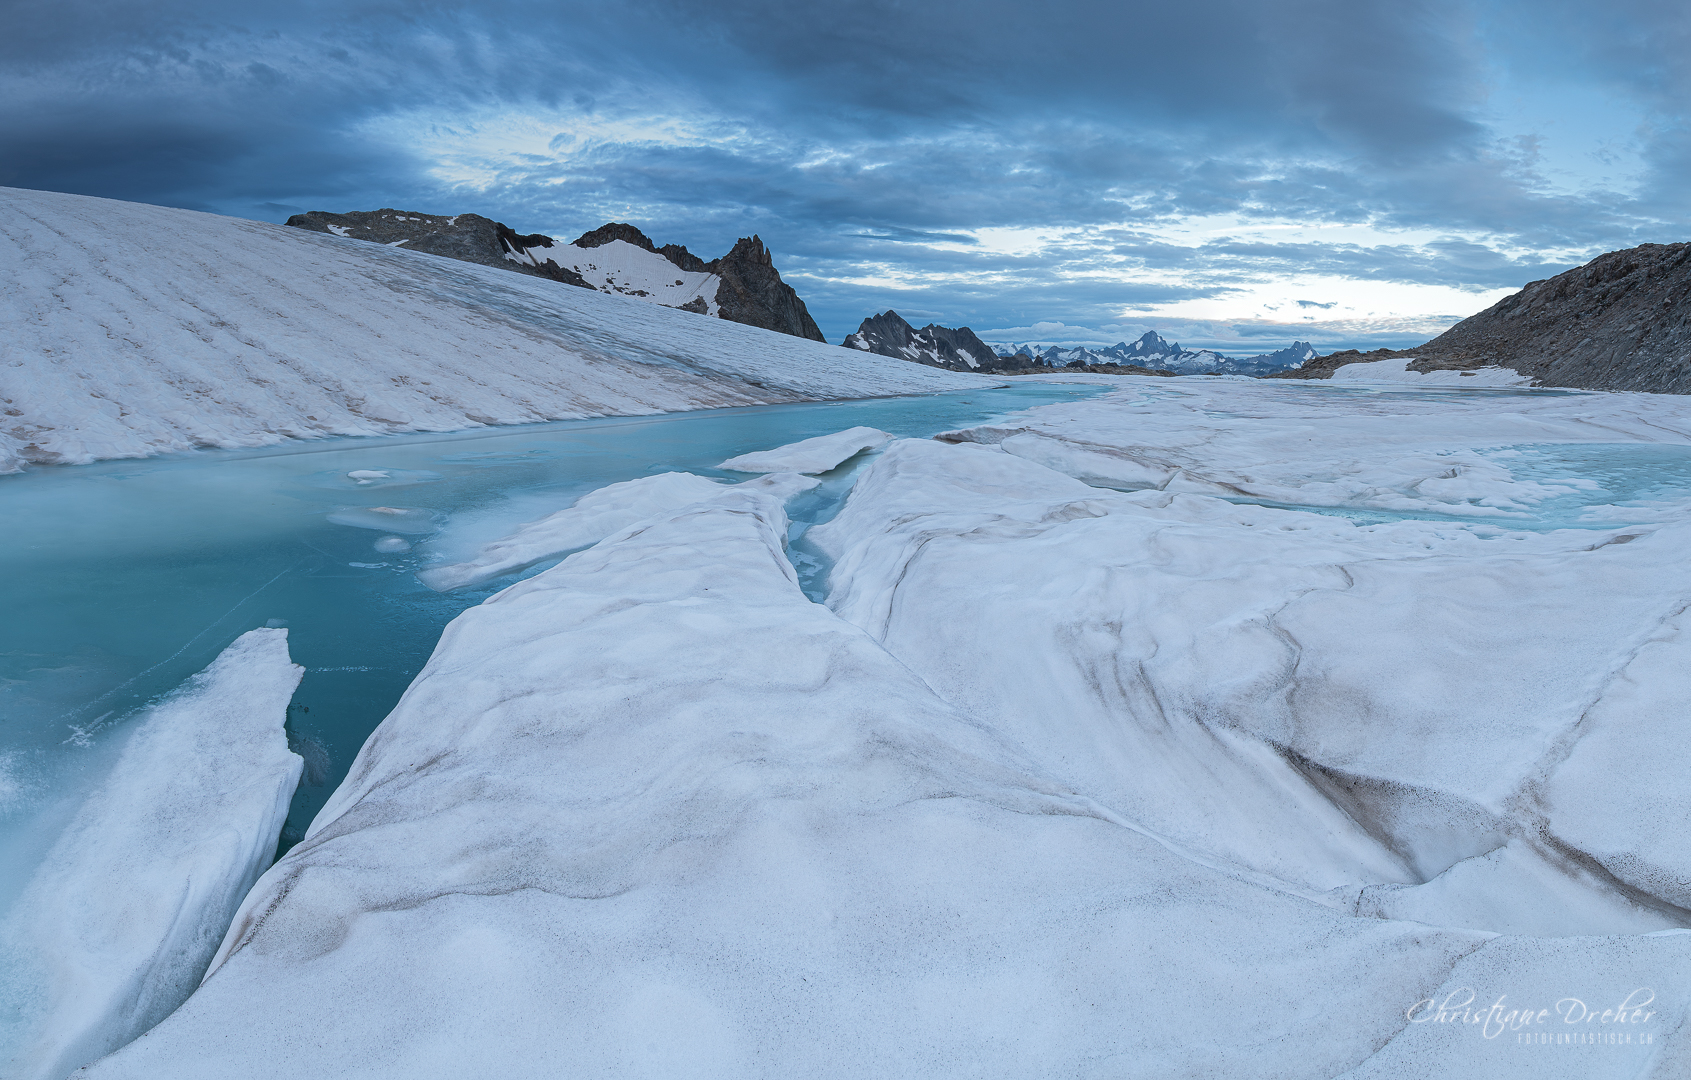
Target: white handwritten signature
{"points": [[1501, 1017]]}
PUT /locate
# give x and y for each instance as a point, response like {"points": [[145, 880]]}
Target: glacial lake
{"points": [[127, 577]]}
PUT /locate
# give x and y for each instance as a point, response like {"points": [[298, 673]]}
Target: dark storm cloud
{"points": [[868, 140]]}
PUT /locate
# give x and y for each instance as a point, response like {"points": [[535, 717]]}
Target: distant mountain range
{"points": [[887, 334], [742, 286], [1620, 322], [1154, 352]]}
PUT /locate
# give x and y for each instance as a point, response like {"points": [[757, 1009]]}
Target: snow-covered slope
{"points": [[134, 330], [117, 925]]}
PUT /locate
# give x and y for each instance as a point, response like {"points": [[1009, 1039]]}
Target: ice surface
{"points": [[1379, 449], [1280, 690], [1105, 758], [653, 813], [594, 517], [116, 926], [817, 455], [134, 330]]}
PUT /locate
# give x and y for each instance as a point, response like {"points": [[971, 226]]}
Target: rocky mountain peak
{"points": [[887, 334], [1620, 322], [1151, 343], [628, 234], [749, 250], [615, 230], [752, 292], [743, 286]]}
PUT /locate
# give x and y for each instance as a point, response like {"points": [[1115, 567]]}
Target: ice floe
{"points": [[817, 455], [411, 520], [1282, 690], [595, 516], [118, 923]]}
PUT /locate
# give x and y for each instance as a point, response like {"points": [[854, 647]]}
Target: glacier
{"points": [[1196, 729], [653, 813], [135, 330], [117, 924], [1182, 727]]}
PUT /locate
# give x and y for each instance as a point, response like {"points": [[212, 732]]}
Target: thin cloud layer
{"points": [[1355, 173]]}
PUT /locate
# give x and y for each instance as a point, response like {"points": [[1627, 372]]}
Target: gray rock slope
{"points": [[750, 292], [1620, 322], [887, 334], [753, 293], [466, 237]]}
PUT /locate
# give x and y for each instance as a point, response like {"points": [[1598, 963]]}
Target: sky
{"points": [[1235, 174]]}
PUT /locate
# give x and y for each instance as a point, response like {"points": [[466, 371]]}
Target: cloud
{"points": [[991, 162]]}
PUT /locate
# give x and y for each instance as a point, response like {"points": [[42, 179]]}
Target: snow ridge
{"points": [[136, 330]]}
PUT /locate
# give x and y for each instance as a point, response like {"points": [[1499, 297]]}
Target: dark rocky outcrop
{"points": [[466, 237], [750, 290], [887, 334], [753, 293], [675, 253], [1620, 322]]}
